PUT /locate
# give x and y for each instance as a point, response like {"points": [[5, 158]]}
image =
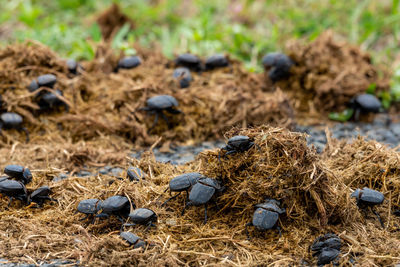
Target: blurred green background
{"points": [[246, 29]]}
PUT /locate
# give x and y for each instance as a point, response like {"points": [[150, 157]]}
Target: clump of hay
{"points": [[328, 73], [282, 167]]}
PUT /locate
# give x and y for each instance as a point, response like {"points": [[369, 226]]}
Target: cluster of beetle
{"points": [[15, 189]]}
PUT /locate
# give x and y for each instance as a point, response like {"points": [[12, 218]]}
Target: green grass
{"points": [[244, 29]]}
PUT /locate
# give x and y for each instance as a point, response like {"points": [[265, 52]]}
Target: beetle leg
{"points": [[154, 123], [357, 112], [166, 119], [279, 230], [84, 218], [9, 202], [205, 213], [171, 198], [188, 204], [247, 230], [378, 216], [26, 133]]}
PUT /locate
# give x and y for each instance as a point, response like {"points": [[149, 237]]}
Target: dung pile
{"points": [[279, 166], [327, 74], [103, 102]]}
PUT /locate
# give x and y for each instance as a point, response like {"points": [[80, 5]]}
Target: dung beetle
{"points": [[118, 206], [160, 103], [216, 61], [266, 216], [129, 62], [367, 197], [364, 103], [133, 239], [11, 120], [142, 216], [19, 172], [182, 183], [201, 193], [278, 65], [184, 76], [135, 174], [73, 66], [14, 189], [326, 241], [237, 144], [327, 248], [50, 100], [40, 195], [189, 61], [33, 86], [327, 255], [47, 80], [89, 207]]}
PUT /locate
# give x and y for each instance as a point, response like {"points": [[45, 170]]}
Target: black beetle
{"points": [[14, 189], [133, 239], [19, 172], [89, 207], [189, 61], [135, 174], [50, 100], [367, 197], [118, 206], [73, 66], [278, 65], [182, 183], [326, 241], [364, 103], [11, 120], [216, 61], [33, 86], [266, 216], [201, 193], [327, 248], [184, 76], [47, 80], [327, 255], [129, 62], [157, 104], [142, 216], [237, 144], [40, 195]]}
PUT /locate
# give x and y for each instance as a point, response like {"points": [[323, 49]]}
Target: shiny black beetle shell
{"points": [[189, 61], [216, 61], [89, 206], [161, 102], [238, 143], [184, 181], [47, 80], [368, 197], [183, 75], [116, 205], [19, 172], [267, 214], [203, 191], [327, 255], [366, 102], [129, 62], [143, 216], [278, 65], [133, 239], [14, 189], [135, 174], [11, 120]]}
